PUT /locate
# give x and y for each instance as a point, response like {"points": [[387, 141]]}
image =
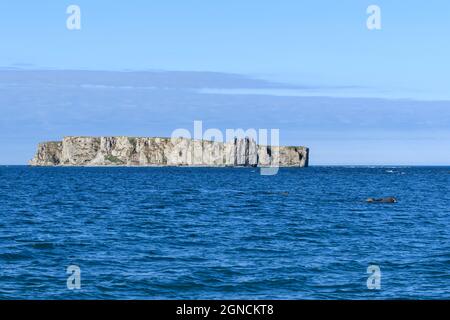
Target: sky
{"points": [[313, 61]]}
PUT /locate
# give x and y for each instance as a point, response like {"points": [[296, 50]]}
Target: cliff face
{"points": [[48, 154], [127, 151]]}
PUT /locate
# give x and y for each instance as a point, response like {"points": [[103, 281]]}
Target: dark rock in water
{"points": [[382, 200]]}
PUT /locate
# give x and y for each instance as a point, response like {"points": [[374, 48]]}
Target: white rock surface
{"points": [[139, 151]]}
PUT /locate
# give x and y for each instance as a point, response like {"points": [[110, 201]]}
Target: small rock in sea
{"points": [[382, 200]]}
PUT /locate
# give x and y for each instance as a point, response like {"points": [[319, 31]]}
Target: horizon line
{"points": [[310, 165]]}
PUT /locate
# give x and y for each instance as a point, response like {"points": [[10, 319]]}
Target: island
{"points": [[156, 151]]}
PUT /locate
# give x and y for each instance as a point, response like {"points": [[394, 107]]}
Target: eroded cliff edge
{"points": [[128, 151]]}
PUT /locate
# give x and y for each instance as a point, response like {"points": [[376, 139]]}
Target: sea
{"points": [[224, 233]]}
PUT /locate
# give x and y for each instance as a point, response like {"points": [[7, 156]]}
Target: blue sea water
{"points": [[224, 233]]}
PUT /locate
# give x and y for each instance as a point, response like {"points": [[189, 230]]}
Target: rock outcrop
{"points": [[128, 151], [382, 200]]}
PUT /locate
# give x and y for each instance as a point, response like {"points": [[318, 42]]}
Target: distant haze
{"points": [[47, 105]]}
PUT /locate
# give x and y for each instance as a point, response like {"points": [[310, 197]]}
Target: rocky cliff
{"points": [[127, 151]]}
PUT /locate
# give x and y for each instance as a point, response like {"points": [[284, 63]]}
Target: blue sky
{"points": [[314, 48], [307, 42]]}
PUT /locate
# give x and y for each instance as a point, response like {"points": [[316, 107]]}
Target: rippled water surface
{"points": [[200, 233]]}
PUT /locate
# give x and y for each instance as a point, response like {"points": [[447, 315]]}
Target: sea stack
{"points": [[142, 151]]}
